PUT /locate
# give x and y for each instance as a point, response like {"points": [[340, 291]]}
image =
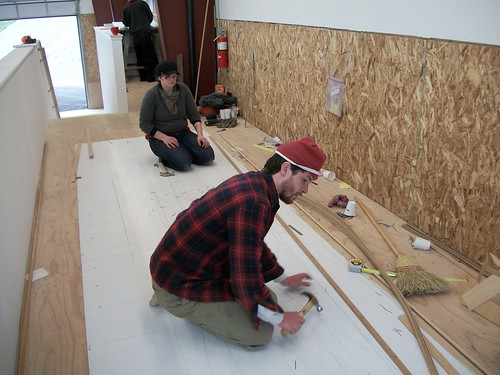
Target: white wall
{"points": [[476, 21], [111, 70], [25, 109]]}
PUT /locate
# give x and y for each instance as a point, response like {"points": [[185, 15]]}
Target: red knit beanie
{"points": [[305, 154]]}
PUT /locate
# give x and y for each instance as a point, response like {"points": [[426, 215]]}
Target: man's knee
{"points": [[261, 339]]}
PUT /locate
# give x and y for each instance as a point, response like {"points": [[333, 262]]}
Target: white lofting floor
{"points": [[125, 207]]}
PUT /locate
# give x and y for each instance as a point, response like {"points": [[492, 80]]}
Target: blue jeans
{"points": [[189, 151]]}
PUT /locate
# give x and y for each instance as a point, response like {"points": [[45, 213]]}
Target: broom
{"points": [[412, 279]]}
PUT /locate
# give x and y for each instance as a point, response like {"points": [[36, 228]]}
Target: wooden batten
{"points": [[484, 299]]}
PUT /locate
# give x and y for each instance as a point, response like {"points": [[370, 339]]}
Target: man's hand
{"points": [[292, 321], [297, 280]]}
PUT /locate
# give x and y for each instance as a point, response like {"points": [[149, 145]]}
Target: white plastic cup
{"points": [[225, 114], [421, 243], [329, 175], [350, 210]]}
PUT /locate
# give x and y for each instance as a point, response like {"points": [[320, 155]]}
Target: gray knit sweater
{"points": [[155, 116]]}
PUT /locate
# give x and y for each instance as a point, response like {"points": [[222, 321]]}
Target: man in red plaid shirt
{"points": [[212, 265]]}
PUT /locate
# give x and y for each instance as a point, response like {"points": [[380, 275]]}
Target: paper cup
{"points": [[225, 114], [350, 210], [421, 243], [329, 175]]}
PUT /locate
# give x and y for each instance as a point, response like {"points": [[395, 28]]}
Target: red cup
{"points": [[114, 30]]}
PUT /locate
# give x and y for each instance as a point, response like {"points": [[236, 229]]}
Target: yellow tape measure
{"points": [[357, 265], [264, 148]]}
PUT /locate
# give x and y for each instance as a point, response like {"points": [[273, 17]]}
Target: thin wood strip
{"points": [[201, 50], [482, 292], [377, 226], [76, 161], [436, 354], [89, 144], [483, 269], [43, 60], [322, 227], [25, 308], [325, 274], [445, 340]]}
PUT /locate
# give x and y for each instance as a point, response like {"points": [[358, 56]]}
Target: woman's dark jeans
{"points": [[189, 151]]}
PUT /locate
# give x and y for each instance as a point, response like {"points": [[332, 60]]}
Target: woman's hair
{"points": [[273, 165]]}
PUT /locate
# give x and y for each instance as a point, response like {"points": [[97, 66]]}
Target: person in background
{"points": [[164, 115], [212, 265], [138, 17]]}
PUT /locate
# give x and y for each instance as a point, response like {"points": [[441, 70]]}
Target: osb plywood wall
{"points": [[419, 132], [89, 46]]}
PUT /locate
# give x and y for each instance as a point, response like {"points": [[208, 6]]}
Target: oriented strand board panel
{"points": [[419, 132], [458, 172], [89, 47]]}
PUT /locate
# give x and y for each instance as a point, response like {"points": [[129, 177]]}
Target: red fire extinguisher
{"points": [[222, 54]]}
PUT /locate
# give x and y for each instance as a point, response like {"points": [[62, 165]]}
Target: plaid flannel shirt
{"points": [[215, 249]]}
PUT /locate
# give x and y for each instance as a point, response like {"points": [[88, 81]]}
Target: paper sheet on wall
{"points": [[335, 90]]}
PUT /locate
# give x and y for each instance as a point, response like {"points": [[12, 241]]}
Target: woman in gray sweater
{"points": [[164, 115]]}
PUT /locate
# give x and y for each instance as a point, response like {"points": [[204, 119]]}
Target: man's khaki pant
{"points": [[227, 320]]}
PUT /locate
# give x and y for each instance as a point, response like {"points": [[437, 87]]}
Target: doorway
{"points": [[60, 38]]}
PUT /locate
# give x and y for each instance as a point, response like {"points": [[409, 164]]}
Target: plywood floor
{"points": [[58, 337]]}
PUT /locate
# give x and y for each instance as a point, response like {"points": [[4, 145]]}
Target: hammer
{"points": [[313, 301]]}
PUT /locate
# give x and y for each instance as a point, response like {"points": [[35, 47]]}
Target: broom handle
{"points": [[377, 226]]}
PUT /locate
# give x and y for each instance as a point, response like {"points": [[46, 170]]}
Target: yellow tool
{"points": [[357, 265], [264, 148]]}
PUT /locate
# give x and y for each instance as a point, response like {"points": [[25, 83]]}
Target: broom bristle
{"points": [[412, 279]]}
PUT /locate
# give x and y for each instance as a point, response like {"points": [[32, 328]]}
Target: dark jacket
{"points": [[137, 16]]}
